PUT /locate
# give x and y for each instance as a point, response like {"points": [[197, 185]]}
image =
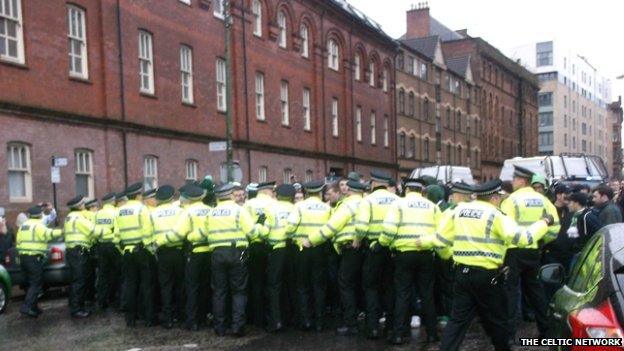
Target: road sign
{"points": [[217, 146], [60, 161], [55, 174]]}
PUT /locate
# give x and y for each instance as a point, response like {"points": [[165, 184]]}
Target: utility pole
{"points": [[227, 22]]}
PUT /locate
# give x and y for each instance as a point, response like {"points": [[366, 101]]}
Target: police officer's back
{"points": [[230, 228], [109, 258]]}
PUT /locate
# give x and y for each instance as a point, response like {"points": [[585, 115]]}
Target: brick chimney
{"points": [[418, 20]]}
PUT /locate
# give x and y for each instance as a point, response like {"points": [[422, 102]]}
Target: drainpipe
{"points": [[122, 94], [246, 90]]}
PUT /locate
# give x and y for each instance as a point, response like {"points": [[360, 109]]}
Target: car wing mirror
{"points": [[552, 273]]}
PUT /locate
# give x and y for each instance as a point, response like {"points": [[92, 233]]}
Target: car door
{"points": [[581, 287]]}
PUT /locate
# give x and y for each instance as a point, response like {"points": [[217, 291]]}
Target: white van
{"points": [[445, 174], [572, 168]]}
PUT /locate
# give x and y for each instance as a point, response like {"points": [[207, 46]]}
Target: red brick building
{"points": [[134, 90], [507, 92]]}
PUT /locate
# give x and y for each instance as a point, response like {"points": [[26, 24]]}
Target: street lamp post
{"points": [[227, 22]]}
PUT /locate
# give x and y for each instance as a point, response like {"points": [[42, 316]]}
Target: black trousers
{"points": [[32, 267], [171, 280], [274, 283], [77, 260], [197, 283], [443, 285], [474, 294], [228, 273], [414, 268], [90, 273], [138, 285], [109, 264], [311, 266], [524, 265], [258, 255], [378, 285], [349, 271]]}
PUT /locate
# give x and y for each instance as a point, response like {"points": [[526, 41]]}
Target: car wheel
{"points": [[4, 293]]}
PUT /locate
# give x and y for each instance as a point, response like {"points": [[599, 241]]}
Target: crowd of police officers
{"points": [[210, 250]]}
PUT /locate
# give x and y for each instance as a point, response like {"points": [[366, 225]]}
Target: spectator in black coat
{"points": [[585, 222], [603, 202]]}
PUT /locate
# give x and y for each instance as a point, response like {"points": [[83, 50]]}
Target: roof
{"points": [[444, 32], [360, 17], [458, 65], [426, 45]]}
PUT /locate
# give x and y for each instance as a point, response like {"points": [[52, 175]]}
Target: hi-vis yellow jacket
{"points": [[306, 219], [33, 237], [192, 225], [228, 224], [372, 213], [341, 226]]}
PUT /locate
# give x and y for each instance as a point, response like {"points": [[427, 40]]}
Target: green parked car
{"points": [[5, 288]]}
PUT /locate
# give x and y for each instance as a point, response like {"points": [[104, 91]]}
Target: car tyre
{"points": [[4, 298]]}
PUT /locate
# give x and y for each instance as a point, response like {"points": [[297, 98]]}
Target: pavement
{"points": [[55, 330]]}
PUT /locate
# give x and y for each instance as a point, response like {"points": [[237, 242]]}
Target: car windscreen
{"points": [[429, 171], [575, 167]]}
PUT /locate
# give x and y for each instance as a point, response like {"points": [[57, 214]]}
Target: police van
{"points": [[566, 168], [445, 174]]}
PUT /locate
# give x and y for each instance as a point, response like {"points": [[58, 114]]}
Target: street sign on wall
{"points": [[55, 174], [217, 146]]}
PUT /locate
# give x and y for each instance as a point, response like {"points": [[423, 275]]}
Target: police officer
{"points": [[121, 198], [109, 258], [308, 217], [526, 206], [341, 230], [408, 219], [192, 225], [149, 198], [258, 254], [274, 234], [135, 233], [32, 246], [377, 267], [91, 208], [479, 234], [169, 254], [79, 233], [230, 228]]}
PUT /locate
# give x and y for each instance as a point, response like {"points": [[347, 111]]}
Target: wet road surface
{"points": [[55, 330]]}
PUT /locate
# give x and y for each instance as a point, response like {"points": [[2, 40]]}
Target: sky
{"points": [[594, 27]]}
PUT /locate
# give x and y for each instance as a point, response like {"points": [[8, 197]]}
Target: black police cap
{"points": [[522, 172], [76, 201], [224, 190], [356, 186], [165, 193], [91, 203], [109, 197], [285, 190], [415, 182], [380, 177], [194, 192], [149, 193], [134, 189], [35, 211], [462, 188], [489, 188], [314, 186], [266, 185]]}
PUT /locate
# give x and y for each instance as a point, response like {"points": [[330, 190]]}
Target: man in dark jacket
{"points": [[561, 249], [585, 222], [603, 201]]}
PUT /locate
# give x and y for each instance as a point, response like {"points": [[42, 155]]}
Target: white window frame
{"points": [[284, 104], [77, 35], [191, 167], [150, 172], [256, 9], [307, 122], [221, 78], [334, 116], [218, 8], [309, 175], [357, 67], [260, 115], [358, 123], [287, 174], [84, 167], [263, 173], [18, 157], [304, 33], [371, 73], [186, 73], [283, 34], [333, 55], [13, 14], [386, 132], [146, 62], [373, 128]]}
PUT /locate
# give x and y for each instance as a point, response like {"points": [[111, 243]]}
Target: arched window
{"points": [[410, 104], [402, 145], [384, 79], [458, 123], [305, 41], [426, 109], [371, 73], [191, 170], [333, 55], [281, 23], [460, 156], [256, 9], [150, 172], [411, 149], [401, 101], [357, 66], [426, 149]]}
